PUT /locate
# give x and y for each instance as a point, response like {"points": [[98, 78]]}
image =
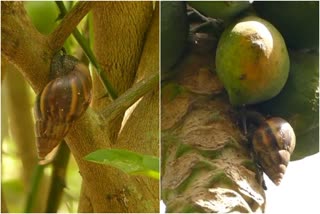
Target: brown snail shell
{"points": [[62, 101], [273, 143]]}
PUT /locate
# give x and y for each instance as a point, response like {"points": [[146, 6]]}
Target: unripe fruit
{"points": [[252, 61]]}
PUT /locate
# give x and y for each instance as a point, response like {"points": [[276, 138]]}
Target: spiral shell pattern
{"points": [[273, 143], [62, 101]]}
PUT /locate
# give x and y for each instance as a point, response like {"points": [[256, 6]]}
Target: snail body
{"points": [[273, 142], [62, 101]]}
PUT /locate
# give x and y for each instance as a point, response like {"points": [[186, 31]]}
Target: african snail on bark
{"points": [[273, 142], [62, 101]]}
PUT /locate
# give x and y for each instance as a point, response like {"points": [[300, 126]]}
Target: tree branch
{"points": [[23, 45], [69, 23], [130, 97]]}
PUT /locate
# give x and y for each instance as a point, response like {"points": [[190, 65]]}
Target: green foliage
{"points": [[129, 162], [297, 21], [225, 10], [174, 31]]}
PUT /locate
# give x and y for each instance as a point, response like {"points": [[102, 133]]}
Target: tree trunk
{"points": [[206, 166], [119, 55], [119, 32]]}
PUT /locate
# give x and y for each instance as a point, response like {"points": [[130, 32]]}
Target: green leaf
{"points": [[130, 162]]}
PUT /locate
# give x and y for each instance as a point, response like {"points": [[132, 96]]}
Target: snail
{"points": [[273, 142], [62, 101]]}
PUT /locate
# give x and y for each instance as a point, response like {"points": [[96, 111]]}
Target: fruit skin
{"points": [[298, 21], [220, 9], [298, 102], [273, 143], [174, 32], [252, 61]]}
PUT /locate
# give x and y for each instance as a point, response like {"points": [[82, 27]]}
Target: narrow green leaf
{"points": [[130, 162]]}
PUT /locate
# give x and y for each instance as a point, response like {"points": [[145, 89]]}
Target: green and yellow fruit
{"points": [[252, 61]]}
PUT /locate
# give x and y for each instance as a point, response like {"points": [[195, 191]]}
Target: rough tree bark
{"points": [[206, 166], [104, 189], [118, 44], [140, 133]]}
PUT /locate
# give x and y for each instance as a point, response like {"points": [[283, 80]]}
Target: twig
{"points": [[58, 178], [207, 21], [204, 18], [69, 22], [103, 75], [212, 22], [130, 97], [83, 43]]}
